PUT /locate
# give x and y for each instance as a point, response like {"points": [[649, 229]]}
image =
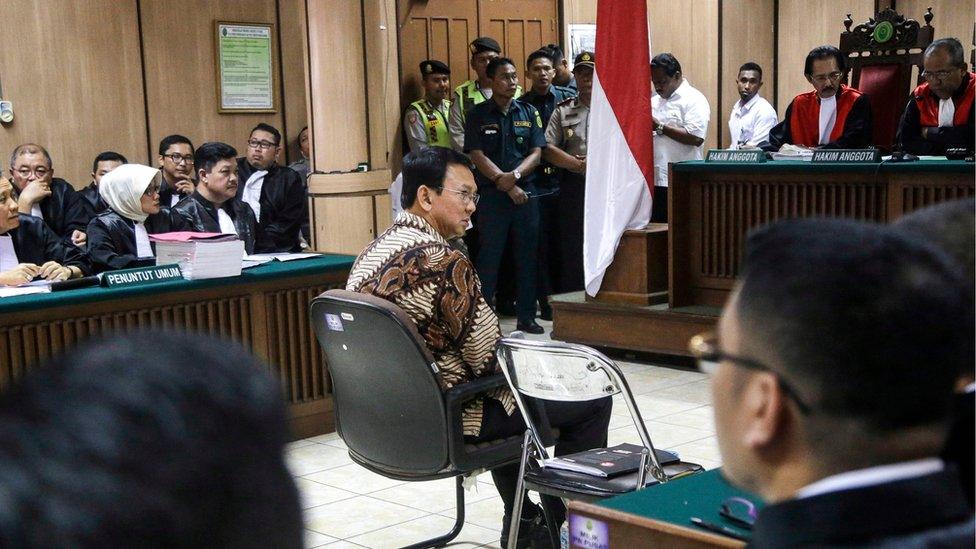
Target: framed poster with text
{"points": [[245, 63]]}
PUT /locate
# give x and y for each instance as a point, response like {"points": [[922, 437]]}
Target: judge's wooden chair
{"points": [[881, 55]]}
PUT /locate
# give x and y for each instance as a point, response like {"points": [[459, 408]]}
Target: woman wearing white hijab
{"points": [[118, 238]]}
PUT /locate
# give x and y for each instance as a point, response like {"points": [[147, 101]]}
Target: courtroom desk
{"points": [[660, 516], [265, 309], [712, 205]]}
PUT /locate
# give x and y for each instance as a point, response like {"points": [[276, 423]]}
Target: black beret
{"points": [[433, 66], [485, 43]]}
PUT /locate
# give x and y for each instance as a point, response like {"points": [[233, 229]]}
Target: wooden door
{"points": [[520, 26], [435, 29]]}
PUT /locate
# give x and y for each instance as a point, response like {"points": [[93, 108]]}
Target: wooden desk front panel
{"points": [[271, 318], [712, 212]]}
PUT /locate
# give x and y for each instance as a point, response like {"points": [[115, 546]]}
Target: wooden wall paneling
{"points": [[748, 28], [74, 74], [344, 224], [382, 82], [181, 84], [803, 26], [294, 67], [520, 26], [691, 34], [953, 18], [384, 212], [338, 83], [579, 12]]}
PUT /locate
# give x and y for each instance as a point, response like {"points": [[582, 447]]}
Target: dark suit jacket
{"points": [[284, 207], [112, 240], [196, 213], [926, 511], [65, 210], [36, 243]]}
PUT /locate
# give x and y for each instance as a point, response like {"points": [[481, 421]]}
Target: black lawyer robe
{"points": [[36, 243], [65, 211], [95, 203], [197, 214], [112, 240], [284, 207]]}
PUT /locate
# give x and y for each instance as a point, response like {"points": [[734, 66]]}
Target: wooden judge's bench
{"points": [[712, 206]]}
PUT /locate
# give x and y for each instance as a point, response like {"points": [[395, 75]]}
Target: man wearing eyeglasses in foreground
{"points": [[832, 116], [939, 114], [176, 163], [413, 266], [834, 367], [275, 193]]}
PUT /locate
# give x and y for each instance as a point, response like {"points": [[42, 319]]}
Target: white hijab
{"points": [[123, 187]]}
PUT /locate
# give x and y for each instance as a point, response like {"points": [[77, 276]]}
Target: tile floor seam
{"points": [[385, 525]]}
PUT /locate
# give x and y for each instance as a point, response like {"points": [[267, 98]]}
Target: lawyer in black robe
{"points": [[112, 241], [284, 207], [95, 203], [36, 243], [65, 211], [196, 213]]}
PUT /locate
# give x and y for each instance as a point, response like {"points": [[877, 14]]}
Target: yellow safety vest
{"points": [[435, 122], [469, 94]]}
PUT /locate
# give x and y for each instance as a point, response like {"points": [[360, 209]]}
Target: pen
{"points": [[718, 528]]}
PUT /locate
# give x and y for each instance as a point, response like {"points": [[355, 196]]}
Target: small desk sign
{"points": [[751, 156], [141, 275], [857, 156]]}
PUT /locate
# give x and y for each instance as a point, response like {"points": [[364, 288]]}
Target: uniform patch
{"points": [[569, 132], [538, 119], [522, 124]]}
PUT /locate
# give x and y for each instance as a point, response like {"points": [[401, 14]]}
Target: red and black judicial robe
{"points": [[801, 125], [922, 111]]}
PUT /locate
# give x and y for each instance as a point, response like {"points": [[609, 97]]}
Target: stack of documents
{"points": [[792, 152], [200, 255]]}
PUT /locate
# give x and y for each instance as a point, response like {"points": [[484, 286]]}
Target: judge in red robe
{"points": [[939, 114], [831, 116]]}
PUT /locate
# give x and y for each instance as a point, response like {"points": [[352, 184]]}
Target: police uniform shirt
{"points": [[568, 126], [419, 125], [506, 138]]}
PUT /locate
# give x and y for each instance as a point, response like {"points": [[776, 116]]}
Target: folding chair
{"points": [[566, 372]]}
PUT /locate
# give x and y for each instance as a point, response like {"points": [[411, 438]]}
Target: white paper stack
{"points": [[203, 258]]}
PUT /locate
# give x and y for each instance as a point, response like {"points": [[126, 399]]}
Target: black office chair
{"points": [[389, 409], [553, 370]]}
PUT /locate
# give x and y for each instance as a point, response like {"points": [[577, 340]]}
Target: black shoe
{"points": [[505, 308], [530, 327]]}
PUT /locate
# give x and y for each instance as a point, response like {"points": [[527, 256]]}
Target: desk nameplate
{"points": [[856, 156], [752, 156], [141, 275]]}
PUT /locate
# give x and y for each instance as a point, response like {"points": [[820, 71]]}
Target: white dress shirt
{"points": [[828, 117], [686, 108], [143, 248], [881, 474], [252, 192], [8, 255], [749, 124]]}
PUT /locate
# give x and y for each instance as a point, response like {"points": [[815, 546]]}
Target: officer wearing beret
{"points": [[566, 138], [505, 139], [426, 119], [544, 96], [473, 92]]}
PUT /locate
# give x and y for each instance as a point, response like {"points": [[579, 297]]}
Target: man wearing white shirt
{"points": [[832, 382], [752, 116], [681, 115]]}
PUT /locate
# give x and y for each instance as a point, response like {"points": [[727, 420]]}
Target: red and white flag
{"points": [[619, 154]]}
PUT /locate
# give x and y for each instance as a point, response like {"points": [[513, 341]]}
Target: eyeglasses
{"points": [[937, 76], [740, 511], [466, 197], [151, 189], [824, 78], [178, 158], [704, 347], [38, 172], [260, 145]]}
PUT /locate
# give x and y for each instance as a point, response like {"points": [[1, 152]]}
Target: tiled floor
{"points": [[348, 506]]}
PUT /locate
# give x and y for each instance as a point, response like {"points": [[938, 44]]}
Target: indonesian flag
{"points": [[619, 157]]}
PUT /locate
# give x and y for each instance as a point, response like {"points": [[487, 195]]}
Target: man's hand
{"points": [[53, 271], [655, 124], [581, 166], [518, 196], [506, 182], [79, 238], [34, 192], [185, 187], [19, 275]]}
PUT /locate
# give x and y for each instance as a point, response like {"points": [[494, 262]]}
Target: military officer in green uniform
{"points": [[473, 92], [544, 96], [505, 139], [425, 121], [566, 138]]}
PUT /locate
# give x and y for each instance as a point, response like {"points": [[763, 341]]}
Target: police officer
{"points": [[473, 92], [566, 137], [544, 96], [505, 139], [426, 119]]}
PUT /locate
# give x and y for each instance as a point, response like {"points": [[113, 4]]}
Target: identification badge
{"points": [[522, 124], [489, 131]]}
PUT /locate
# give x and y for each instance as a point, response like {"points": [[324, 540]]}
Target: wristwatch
{"points": [[517, 174], [659, 130]]}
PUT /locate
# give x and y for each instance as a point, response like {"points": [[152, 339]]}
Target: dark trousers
{"points": [[572, 193], [659, 207], [501, 220], [582, 426]]}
